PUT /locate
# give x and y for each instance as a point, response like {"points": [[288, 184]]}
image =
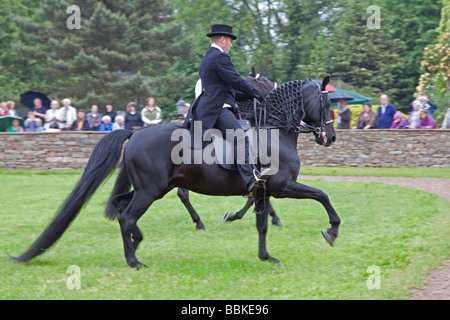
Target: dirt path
{"points": [[438, 283]]}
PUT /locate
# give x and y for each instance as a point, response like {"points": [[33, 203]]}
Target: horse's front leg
{"points": [[262, 212], [297, 190]]}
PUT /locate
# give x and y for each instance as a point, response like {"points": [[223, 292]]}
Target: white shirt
{"points": [[213, 45], [217, 47]]}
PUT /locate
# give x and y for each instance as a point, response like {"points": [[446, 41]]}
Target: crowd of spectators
{"points": [[387, 116], [67, 118]]}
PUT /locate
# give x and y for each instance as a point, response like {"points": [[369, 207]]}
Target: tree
{"points": [[16, 73], [435, 79], [123, 51], [358, 55]]}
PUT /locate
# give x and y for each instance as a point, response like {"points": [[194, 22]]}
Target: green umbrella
{"points": [[357, 98], [6, 122]]}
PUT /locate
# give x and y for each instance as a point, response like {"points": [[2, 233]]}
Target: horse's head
{"points": [[317, 106]]}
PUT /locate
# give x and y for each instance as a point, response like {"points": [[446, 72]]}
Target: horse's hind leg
{"points": [[131, 234], [275, 220], [183, 194], [241, 213]]}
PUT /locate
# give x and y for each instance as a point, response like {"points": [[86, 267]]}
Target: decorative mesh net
{"points": [[282, 105]]}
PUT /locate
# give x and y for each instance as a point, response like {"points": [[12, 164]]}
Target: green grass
{"points": [[403, 231], [378, 172], [327, 171]]}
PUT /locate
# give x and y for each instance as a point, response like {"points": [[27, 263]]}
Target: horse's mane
{"points": [[281, 105]]}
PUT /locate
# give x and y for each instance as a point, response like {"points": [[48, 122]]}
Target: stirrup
{"points": [[259, 178]]}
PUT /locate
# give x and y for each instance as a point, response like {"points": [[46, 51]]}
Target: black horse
{"points": [[154, 174], [243, 110]]}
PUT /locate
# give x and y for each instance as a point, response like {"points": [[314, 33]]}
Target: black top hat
{"points": [[221, 30]]}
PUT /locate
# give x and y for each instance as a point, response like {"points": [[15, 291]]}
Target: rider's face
{"points": [[226, 41]]}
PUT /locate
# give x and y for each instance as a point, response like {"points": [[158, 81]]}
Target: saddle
{"points": [[268, 144]]}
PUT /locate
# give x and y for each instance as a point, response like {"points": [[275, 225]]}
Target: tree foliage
{"points": [[124, 51], [131, 49]]}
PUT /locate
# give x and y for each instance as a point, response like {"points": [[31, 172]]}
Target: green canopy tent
{"points": [[357, 98]]}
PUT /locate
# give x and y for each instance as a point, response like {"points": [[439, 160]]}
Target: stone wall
{"points": [[359, 148], [379, 148], [44, 151]]}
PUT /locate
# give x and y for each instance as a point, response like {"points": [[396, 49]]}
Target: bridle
{"points": [[306, 128], [262, 116]]}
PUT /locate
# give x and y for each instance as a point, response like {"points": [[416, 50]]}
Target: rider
{"points": [[221, 84]]}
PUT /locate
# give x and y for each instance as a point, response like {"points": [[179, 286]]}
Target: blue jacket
{"points": [[105, 128], [221, 84], [385, 119]]}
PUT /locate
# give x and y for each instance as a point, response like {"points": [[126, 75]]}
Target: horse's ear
{"points": [[252, 72], [325, 81]]}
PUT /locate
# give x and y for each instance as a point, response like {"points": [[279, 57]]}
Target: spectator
{"points": [[10, 105], [54, 127], [93, 114], [39, 128], [39, 110], [428, 105], [95, 125], [15, 127], [414, 120], [386, 113], [186, 110], [446, 122], [367, 119], [151, 114], [119, 124], [399, 122], [81, 124], [67, 114], [30, 124], [106, 124], [426, 121], [344, 115], [3, 109], [109, 111], [133, 118], [51, 116]]}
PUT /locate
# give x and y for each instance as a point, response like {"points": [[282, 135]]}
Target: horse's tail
{"points": [[122, 185], [103, 160]]}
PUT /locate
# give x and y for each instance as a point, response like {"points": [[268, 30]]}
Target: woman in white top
{"points": [[51, 116], [119, 124], [414, 120]]}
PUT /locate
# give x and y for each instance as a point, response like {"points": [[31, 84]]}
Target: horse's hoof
{"points": [[277, 223], [270, 259], [226, 216], [329, 237], [273, 260], [137, 265], [200, 227]]}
